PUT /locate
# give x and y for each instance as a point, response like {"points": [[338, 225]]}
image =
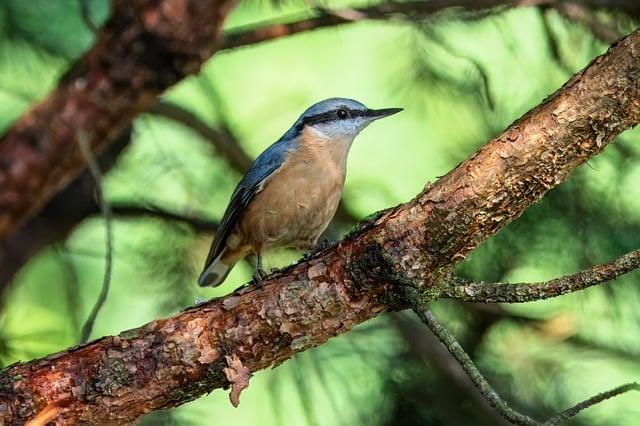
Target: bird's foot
{"points": [[321, 245], [258, 278]]}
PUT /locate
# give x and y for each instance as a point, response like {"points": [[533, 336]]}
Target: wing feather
{"points": [[251, 184]]}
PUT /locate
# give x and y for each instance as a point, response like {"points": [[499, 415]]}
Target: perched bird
{"points": [[292, 190]]}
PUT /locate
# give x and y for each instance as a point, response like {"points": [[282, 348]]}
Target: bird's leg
{"points": [[259, 274], [314, 247], [321, 245]]}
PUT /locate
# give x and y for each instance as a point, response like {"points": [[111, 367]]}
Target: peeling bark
{"points": [[171, 361], [145, 47]]}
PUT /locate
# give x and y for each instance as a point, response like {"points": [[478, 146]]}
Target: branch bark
{"points": [[526, 292], [145, 47], [168, 362]]}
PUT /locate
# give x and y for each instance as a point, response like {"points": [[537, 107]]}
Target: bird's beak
{"points": [[376, 114]]}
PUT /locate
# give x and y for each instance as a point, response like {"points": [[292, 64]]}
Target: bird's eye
{"points": [[342, 114]]}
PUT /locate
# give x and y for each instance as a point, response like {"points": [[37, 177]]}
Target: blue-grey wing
{"points": [[251, 183]]}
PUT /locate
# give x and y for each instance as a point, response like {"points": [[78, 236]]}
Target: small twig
{"points": [[198, 223], [447, 339], [526, 292], [223, 141], [85, 12], [581, 14], [472, 371], [570, 412], [105, 207]]}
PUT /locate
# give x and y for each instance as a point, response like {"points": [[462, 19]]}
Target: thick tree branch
{"points": [[145, 47], [56, 220], [526, 292], [168, 362]]}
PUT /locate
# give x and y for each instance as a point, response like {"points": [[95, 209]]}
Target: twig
{"points": [[85, 12], [105, 207], [409, 10], [447, 339], [581, 14], [224, 141], [570, 412], [198, 223], [525, 292], [472, 371]]}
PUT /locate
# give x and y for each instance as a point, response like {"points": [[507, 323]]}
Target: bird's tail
{"points": [[218, 270]]}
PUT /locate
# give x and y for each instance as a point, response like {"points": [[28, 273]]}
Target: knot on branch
{"points": [[376, 266]]}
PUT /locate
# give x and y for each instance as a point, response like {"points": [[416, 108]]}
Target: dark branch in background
{"points": [[105, 208], [198, 223], [517, 293], [578, 12], [58, 218], [225, 142], [85, 13], [487, 391], [331, 18], [412, 11], [144, 48]]}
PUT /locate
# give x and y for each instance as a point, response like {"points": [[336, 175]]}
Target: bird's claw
{"points": [[321, 245], [258, 278]]}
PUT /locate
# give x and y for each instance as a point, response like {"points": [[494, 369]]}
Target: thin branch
{"points": [[449, 342], [578, 12], [454, 348], [105, 207], [525, 292], [223, 140], [425, 345], [416, 10], [199, 223], [85, 13], [576, 409], [410, 10]]}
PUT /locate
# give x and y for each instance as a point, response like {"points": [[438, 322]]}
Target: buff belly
{"points": [[294, 207]]}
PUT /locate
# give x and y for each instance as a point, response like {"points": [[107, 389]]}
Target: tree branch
{"points": [[216, 344], [330, 18], [145, 47], [449, 342], [526, 292], [57, 219], [411, 11]]}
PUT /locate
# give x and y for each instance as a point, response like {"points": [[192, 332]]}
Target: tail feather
{"points": [[214, 274]]}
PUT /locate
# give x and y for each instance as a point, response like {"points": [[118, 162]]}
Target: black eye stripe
{"points": [[333, 115]]}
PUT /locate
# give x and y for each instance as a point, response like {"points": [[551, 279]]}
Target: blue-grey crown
{"points": [[332, 104]]}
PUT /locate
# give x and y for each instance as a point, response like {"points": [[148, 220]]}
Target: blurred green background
{"points": [[461, 77]]}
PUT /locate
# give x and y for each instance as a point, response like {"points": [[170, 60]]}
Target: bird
{"points": [[291, 191]]}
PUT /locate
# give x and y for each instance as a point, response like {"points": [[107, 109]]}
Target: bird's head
{"points": [[340, 118]]}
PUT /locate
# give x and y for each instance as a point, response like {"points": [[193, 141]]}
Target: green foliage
{"points": [[461, 81]]}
